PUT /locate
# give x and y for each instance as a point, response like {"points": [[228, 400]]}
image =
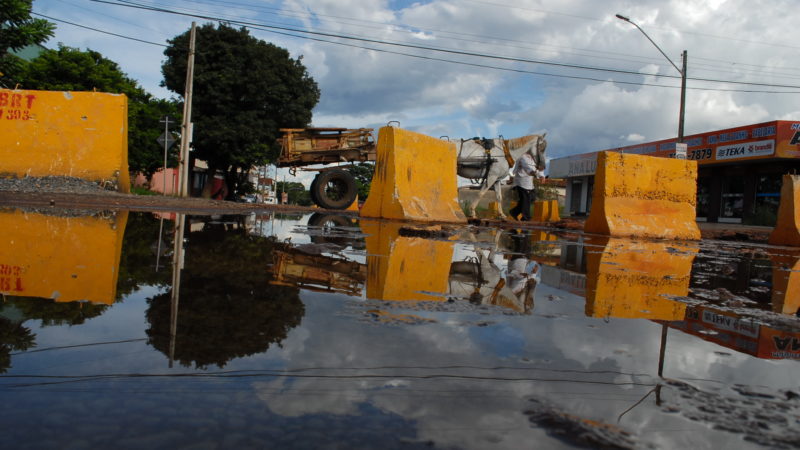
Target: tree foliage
{"points": [[13, 337], [17, 30], [71, 69], [363, 173], [244, 90], [297, 193]]}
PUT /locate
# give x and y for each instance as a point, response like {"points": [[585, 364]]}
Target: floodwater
{"points": [[326, 332]]}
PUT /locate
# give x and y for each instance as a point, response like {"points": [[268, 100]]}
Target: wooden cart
{"points": [[333, 187]]}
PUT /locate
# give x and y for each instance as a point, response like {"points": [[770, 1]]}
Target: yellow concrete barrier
{"points": [[545, 211], [404, 268], [415, 179], [65, 259], [77, 134], [644, 196], [787, 229], [353, 206], [630, 279]]}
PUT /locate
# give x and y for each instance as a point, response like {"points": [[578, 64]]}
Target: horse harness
{"points": [[488, 145]]}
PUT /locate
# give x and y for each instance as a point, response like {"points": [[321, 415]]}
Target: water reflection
{"points": [[403, 268], [60, 268], [61, 258], [221, 304], [701, 290], [501, 275], [486, 346], [628, 279]]}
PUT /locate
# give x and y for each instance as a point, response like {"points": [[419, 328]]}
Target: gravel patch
{"points": [[71, 185]]}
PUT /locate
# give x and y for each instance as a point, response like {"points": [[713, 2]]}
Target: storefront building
{"points": [[739, 171]]}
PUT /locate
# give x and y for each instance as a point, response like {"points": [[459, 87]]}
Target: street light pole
{"points": [[682, 72]]}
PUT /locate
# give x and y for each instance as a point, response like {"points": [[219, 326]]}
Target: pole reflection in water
{"points": [[177, 266]]}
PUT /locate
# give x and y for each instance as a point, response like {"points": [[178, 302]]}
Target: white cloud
{"points": [[364, 88]]}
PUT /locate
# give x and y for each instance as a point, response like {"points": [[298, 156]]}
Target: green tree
{"points": [[71, 69], [17, 30], [296, 192], [244, 90], [363, 174]]}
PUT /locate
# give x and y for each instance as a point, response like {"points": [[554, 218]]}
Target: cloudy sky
{"points": [[464, 68]]}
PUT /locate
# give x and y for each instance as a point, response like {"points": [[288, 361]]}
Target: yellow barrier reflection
{"points": [[405, 268], [785, 281], [629, 279], [61, 258]]}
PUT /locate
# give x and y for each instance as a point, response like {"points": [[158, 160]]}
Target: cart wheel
{"points": [[313, 190], [335, 189]]}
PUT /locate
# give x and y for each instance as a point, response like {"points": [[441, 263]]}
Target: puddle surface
{"points": [[325, 331]]}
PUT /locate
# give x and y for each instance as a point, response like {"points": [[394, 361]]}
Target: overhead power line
{"points": [[131, 4], [286, 31], [98, 30], [407, 28], [430, 58]]}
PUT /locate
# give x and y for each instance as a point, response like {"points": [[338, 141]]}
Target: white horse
{"points": [[474, 151]]}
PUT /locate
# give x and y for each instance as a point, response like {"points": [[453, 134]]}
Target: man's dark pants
{"points": [[523, 204]]}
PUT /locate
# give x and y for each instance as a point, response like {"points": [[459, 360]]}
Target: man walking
{"points": [[524, 171]]}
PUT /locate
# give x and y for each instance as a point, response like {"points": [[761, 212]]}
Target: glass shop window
{"points": [[732, 199]]}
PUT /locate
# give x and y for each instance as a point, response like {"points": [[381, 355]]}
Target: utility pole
{"points": [[165, 121], [683, 99], [186, 128]]}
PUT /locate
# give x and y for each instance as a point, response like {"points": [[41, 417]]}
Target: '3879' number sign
{"points": [[15, 106]]}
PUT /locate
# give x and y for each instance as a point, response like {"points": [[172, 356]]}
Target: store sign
{"points": [[730, 323], [746, 150], [680, 150], [582, 166]]}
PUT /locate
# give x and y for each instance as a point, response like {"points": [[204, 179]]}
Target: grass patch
{"points": [[139, 190]]}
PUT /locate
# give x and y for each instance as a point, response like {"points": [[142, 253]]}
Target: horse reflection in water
{"points": [[486, 160], [482, 281]]}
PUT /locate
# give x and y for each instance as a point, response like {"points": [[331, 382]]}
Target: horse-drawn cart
{"points": [[333, 187]]}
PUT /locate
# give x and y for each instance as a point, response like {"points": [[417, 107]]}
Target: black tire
{"points": [[313, 190], [335, 189], [327, 222]]}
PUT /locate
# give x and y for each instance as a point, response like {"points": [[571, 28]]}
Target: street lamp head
{"points": [[621, 17]]}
